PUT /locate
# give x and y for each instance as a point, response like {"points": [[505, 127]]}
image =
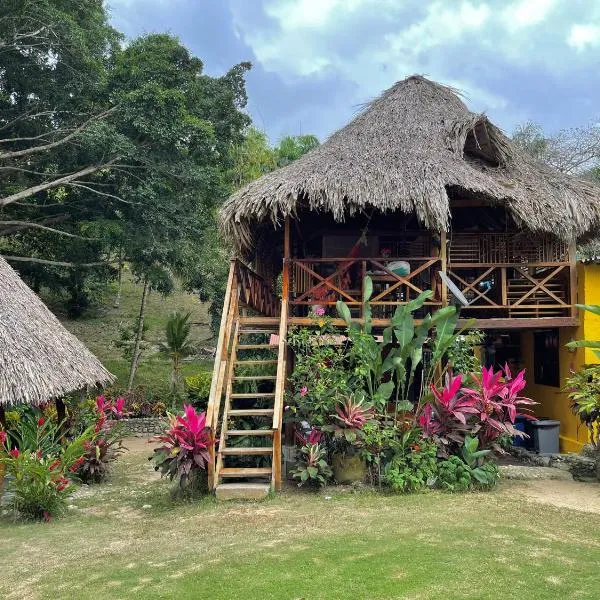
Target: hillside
{"points": [[100, 329]]}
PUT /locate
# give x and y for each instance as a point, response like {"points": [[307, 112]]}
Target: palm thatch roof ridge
{"points": [[406, 151], [39, 359]]}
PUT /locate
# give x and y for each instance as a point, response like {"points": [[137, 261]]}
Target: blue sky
{"points": [[316, 61]]}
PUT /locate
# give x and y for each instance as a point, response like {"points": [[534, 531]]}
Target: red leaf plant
{"points": [[185, 449], [488, 410], [353, 414]]}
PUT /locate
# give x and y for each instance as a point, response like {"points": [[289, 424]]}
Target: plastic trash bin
{"points": [[545, 436]]}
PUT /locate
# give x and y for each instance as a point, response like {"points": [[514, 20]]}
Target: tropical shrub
{"points": [[184, 453], [312, 468], [198, 389], [470, 469], [320, 378], [39, 483], [584, 394], [414, 469], [487, 411], [584, 386], [461, 353], [106, 443]]}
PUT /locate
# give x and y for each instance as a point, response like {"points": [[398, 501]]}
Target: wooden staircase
{"points": [[245, 407]]}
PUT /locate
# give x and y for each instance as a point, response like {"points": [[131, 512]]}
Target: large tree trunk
{"points": [[135, 358], [117, 302]]}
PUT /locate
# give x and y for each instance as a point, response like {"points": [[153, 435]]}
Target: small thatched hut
{"points": [[39, 359]]}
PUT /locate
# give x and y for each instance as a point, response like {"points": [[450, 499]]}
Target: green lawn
{"points": [[99, 329], [333, 544]]}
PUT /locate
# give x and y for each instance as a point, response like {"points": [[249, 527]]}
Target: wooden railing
{"points": [[254, 292], [323, 281], [515, 290]]}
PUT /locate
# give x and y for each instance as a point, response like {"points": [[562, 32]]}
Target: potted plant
{"points": [[347, 463]]}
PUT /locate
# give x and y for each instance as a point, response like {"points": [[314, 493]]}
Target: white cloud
{"points": [[309, 13], [581, 36], [526, 13]]}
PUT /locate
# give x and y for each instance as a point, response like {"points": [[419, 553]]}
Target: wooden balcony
{"points": [[497, 295]]}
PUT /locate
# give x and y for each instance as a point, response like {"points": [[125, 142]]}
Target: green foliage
{"points": [[320, 376], [401, 351], [198, 389], [312, 468], [127, 335], [461, 354], [584, 394], [177, 345], [412, 470], [454, 475], [291, 148]]}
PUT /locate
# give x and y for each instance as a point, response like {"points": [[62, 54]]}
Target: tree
{"points": [[177, 345], [575, 151], [291, 148]]}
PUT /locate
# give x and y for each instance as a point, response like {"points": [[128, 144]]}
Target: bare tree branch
{"points": [[64, 140], [56, 263], [27, 224], [51, 184], [105, 194]]}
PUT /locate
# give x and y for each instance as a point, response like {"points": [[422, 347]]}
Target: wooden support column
{"points": [[444, 261], [282, 359], [573, 279]]}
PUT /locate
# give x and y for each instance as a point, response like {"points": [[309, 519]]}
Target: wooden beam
{"points": [[573, 279], [444, 261]]}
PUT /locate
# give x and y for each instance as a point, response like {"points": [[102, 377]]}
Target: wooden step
{"points": [[255, 378], [249, 432], [253, 395], [273, 321], [256, 362], [242, 491], [247, 451], [245, 472], [273, 331], [258, 346], [251, 412]]}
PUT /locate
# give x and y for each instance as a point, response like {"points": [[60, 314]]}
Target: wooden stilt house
{"points": [[417, 192]]}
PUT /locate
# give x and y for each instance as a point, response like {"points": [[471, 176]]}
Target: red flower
{"points": [[314, 437], [2, 437], [41, 421], [54, 465], [416, 447], [100, 424], [14, 453], [39, 455]]}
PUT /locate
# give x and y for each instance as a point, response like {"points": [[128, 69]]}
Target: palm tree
{"points": [[177, 345]]}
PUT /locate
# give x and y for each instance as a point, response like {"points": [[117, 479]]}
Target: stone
{"points": [[147, 506], [242, 491], [522, 472]]}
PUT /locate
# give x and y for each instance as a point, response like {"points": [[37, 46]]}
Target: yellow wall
{"points": [[554, 403]]}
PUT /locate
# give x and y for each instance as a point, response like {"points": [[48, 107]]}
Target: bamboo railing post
{"points": [[282, 360], [214, 399]]}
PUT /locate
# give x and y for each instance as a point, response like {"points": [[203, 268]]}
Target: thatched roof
{"points": [[39, 359], [407, 151]]}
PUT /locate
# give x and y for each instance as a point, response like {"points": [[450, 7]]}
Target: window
{"points": [[546, 367]]}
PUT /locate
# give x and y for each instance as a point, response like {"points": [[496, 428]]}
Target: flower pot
{"points": [[348, 469]]}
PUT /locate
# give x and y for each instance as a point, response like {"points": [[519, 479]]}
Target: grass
{"points": [[100, 329], [127, 539]]}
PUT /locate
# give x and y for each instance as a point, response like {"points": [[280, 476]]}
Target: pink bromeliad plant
{"points": [[185, 447], [487, 411]]}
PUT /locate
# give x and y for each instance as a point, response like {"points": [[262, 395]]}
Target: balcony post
{"points": [[443, 259], [573, 279]]}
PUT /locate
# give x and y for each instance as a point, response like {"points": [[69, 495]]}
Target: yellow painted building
{"points": [[553, 401]]}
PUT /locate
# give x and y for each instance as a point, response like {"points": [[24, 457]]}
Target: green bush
{"points": [[198, 388], [414, 470]]}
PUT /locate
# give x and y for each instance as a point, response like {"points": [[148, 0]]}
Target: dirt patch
{"points": [[563, 494]]}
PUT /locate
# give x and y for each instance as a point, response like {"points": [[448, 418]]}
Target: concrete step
{"points": [[242, 491]]}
